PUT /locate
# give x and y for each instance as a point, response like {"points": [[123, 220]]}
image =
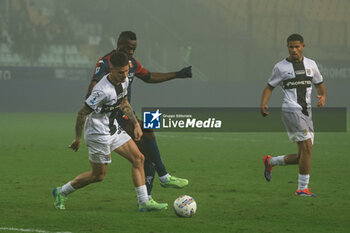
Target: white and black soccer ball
{"points": [[185, 206]]}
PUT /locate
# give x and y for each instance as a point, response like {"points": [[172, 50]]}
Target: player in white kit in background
{"points": [[103, 135], [295, 75]]}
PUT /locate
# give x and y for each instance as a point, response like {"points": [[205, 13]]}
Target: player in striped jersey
{"points": [[103, 135], [295, 75]]}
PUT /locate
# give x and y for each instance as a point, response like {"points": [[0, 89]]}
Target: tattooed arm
{"points": [[79, 125], [126, 108]]}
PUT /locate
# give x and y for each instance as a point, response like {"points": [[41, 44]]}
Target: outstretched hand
{"points": [[75, 145], [184, 73]]}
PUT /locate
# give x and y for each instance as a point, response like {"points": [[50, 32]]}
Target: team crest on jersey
{"points": [[308, 72], [97, 70], [130, 64]]}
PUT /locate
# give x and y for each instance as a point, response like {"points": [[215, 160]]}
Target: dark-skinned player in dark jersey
{"points": [[148, 146]]}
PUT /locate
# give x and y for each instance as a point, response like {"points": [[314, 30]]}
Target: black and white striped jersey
{"points": [[105, 100], [296, 79]]}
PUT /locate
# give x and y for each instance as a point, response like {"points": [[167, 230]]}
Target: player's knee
{"points": [[98, 177], [298, 158], [138, 160], [141, 158]]}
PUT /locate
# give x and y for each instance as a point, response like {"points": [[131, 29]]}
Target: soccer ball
{"points": [[185, 206]]}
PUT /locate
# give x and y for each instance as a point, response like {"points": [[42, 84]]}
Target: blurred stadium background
{"points": [[48, 49]]}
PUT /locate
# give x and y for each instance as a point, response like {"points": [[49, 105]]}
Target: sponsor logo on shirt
{"points": [[297, 82]]}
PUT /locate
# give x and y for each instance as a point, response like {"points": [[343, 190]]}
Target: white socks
{"points": [[277, 161], [141, 192], [67, 189], [303, 181], [142, 195], [164, 178]]}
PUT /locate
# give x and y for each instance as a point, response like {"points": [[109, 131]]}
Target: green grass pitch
{"points": [[225, 171]]}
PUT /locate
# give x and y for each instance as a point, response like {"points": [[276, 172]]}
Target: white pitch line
{"points": [[28, 230]]}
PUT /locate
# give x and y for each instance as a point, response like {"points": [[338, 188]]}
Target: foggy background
{"points": [[48, 49]]}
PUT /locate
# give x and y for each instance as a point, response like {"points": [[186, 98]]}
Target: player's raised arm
{"points": [[264, 99], [127, 109], [156, 77], [79, 125], [322, 94]]}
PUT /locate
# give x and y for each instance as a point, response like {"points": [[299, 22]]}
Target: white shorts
{"points": [[299, 126], [100, 148]]}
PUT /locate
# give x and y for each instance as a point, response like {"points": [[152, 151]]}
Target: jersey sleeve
{"points": [[317, 79], [141, 72], [275, 78], [96, 100], [101, 69]]}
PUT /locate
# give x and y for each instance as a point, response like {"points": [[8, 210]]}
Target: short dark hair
{"points": [[127, 35], [119, 59], [295, 37]]}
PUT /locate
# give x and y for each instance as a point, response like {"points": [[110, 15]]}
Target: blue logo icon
{"points": [[151, 120]]}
